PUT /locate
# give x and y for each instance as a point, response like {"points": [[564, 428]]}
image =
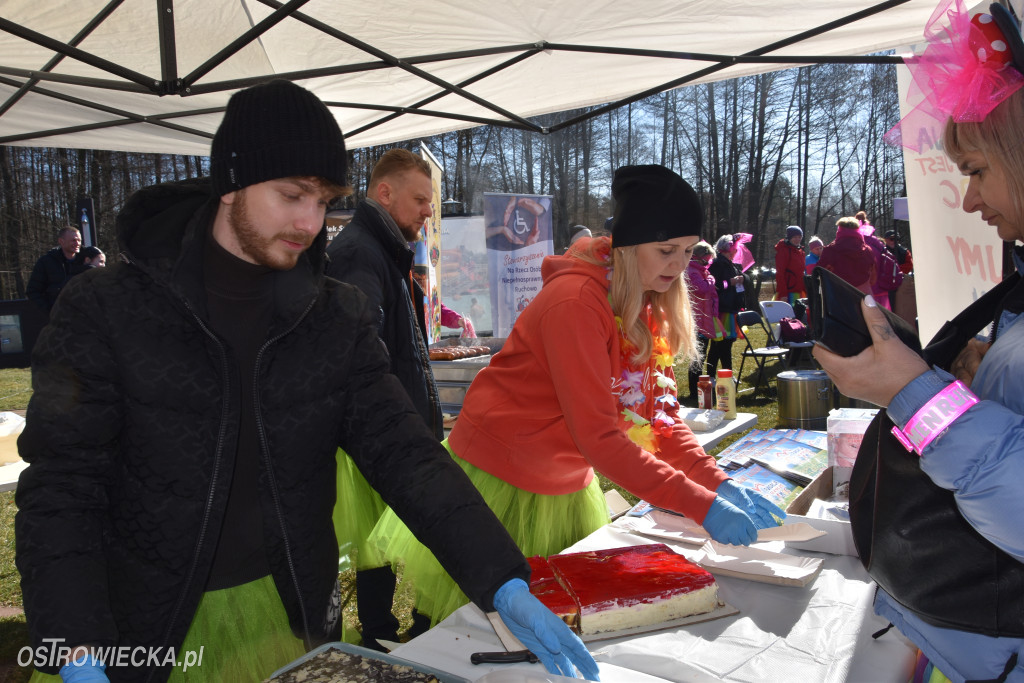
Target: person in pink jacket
{"points": [[585, 382], [704, 299]]}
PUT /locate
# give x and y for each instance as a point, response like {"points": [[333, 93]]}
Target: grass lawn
{"points": [[15, 390]]}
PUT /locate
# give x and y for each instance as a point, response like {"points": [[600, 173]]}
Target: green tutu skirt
{"points": [[237, 634], [356, 510], [539, 524]]}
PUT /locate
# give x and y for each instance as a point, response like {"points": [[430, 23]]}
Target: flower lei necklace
{"points": [[635, 384], [638, 380]]}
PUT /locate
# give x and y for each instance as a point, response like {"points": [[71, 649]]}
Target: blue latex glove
{"points": [[728, 524], [86, 669], [757, 507], [544, 634]]}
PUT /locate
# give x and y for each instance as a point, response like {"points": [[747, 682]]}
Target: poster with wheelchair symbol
{"points": [[518, 236]]}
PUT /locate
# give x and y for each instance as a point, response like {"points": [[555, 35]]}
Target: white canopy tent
{"points": [[155, 75]]}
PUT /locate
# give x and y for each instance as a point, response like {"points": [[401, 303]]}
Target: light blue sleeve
{"points": [[980, 458]]}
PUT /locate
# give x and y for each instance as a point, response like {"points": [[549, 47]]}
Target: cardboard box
{"points": [[838, 538]]}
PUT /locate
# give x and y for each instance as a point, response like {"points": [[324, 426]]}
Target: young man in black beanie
{"points": [[188, 403]]}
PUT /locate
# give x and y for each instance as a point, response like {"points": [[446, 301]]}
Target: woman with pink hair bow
{"points": [[953, 427]]}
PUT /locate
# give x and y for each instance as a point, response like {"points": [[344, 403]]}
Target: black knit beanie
{"points": [[653, 204], [275, 130]]}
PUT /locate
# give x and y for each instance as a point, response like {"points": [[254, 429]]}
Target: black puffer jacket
{"points": [[49, 275], [369, 255], [134, 403]]}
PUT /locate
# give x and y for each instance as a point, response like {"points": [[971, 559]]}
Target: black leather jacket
{"points": [[136, 407]]}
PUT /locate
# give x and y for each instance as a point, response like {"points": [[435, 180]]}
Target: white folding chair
{"points": [[761, 355]]}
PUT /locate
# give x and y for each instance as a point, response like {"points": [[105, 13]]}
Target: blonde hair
{"points": [[848, 222], [999, 138], [395, 161], [861, 217], [671, 311], [702, 249]]}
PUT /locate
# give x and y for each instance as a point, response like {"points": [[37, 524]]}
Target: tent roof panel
{"points": [[348, 52]]}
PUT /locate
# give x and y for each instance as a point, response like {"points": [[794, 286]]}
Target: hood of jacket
{"points": [[697, 269], [849, 237], [782, 245], [570, 263], [163, 229]]}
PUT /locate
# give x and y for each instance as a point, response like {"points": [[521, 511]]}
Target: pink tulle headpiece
{"points": [[743, 258], [963, 73]]}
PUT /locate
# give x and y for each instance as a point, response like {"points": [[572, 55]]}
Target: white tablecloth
{"points": [[821, 632]]}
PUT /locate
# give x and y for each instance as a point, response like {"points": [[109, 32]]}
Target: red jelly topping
{"points": [[546, 588], [602, 579]]}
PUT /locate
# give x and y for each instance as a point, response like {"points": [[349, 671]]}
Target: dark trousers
{"points": [[375, 594], [720, 353]]}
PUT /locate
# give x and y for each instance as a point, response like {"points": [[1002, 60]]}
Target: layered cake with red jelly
{"points": [[623, 588], [546, 588]]}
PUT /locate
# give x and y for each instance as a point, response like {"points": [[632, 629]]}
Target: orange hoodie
{"points": [[543, 416]]}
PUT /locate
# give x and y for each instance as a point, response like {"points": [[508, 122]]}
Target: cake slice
{"points": [[546, 588], [623, 588]]}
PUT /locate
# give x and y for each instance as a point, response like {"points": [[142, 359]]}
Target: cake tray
{"points": [[723, 610], [366, 653]]}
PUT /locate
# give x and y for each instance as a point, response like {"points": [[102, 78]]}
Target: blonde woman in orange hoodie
{"points": [[585, 382]]}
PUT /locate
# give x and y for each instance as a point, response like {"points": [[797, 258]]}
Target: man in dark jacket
{"points": [[53, 269], [373, 253], [187, 407]]}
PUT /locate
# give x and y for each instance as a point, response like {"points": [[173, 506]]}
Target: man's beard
{"points": [[414, 234], [256, 246]]}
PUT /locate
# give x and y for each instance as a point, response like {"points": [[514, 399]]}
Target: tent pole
{"points": [[168, 47], [406, 66], [56, 59]]}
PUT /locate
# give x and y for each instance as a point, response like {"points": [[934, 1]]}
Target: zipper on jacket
{"points": [[428, 372], [213, 483], [265, 452]]}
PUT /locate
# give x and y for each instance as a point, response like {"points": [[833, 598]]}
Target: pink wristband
{"points": [[935, 416]]}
